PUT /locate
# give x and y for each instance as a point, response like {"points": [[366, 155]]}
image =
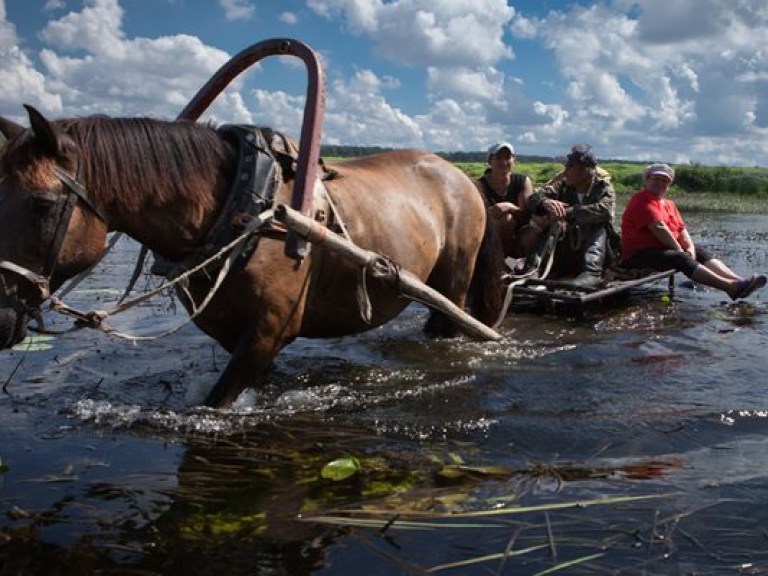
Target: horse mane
{"points": [[140, 158]]}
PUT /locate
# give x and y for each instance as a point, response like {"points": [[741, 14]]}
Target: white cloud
{"points": [[53, 5], [21, 82], [427, 32], [445, 76], [290, 18], [448, 118], [361, 15], [481, 84], [692, 73], [358, 113], [90, 66], [237, 9], [97, 27]]}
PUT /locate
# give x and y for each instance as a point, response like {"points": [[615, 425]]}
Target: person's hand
{"points": [[555, 208], [503, 209]]}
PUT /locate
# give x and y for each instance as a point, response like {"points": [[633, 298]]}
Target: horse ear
{"points": [[9, 128], [44, 130]]}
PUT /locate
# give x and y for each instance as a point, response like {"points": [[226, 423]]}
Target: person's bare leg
{"points": [[705, 275], [719, 268]]}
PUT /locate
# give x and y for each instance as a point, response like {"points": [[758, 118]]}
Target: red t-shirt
{"points": [[643, 209]]}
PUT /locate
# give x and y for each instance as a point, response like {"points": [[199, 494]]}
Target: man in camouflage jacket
{"points": [[585, 201]]}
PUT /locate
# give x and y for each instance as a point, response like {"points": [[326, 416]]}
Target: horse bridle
{"points": [[75, 191]]}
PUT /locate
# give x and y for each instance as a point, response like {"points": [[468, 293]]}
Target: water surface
{"points": [[653, 412]]}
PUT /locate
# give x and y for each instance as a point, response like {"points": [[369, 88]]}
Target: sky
{"points": [[653, 80]]}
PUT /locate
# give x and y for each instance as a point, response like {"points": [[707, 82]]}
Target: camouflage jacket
{"points": [[599, 203]]}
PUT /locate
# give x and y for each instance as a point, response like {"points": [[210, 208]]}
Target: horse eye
{"points": [[43, 201]]}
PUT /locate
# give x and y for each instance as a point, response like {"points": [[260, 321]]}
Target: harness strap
{"points": [[41, 282], [67, 206], [79, 190], [253, 190], [74, 282]]}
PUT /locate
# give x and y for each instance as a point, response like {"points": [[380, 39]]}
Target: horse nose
{"points": [[13, 327]]}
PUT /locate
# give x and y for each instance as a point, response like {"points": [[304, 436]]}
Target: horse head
{"points": [[49, 228]]}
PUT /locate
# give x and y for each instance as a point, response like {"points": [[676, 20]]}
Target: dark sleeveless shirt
{"points": [[516, 185]]}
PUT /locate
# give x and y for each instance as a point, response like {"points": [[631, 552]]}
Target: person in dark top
{"points": [[584, 201], [506, 195]]}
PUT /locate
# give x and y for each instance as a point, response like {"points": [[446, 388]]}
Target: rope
{"points": [[85, 273], [361, 292], [96, 318], [555, 234]]}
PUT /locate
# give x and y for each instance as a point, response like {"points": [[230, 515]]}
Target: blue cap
{"points": [[581, 154]]}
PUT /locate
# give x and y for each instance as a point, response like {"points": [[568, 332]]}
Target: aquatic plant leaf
{"points": [[34, 343], [458, 471], [210, 525], [487, 558], [569, 564], [341, 469]]}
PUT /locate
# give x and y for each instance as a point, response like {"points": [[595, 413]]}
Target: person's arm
{"points": [[524, 195], [501, 209], [686, 243], [664, 235], [544, 202]]}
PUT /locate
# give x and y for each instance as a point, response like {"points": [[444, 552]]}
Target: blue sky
{"points": [[678, 81]]}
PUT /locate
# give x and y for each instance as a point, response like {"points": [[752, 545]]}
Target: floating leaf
{"points": [[341, 469], [35, 343]]}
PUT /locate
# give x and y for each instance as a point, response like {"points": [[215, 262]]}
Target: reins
{"points": [[554, 234], [232, 238], [96, 318]]}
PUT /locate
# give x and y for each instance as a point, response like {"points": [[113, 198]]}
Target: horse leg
{"points": [[453, 283], [247, 366], [439, 325], [486, 291], [466, 276], [242, 371], [274, 321]]}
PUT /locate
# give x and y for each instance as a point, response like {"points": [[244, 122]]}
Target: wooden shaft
{"points": [[409, 284]]}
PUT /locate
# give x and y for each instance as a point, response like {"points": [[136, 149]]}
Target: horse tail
{"points": [[486, 290]]}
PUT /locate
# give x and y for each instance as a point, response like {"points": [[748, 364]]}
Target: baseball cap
{"points": [[498, 146], [581, 154], [664, 169]]}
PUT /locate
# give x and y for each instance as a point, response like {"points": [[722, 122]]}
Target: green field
{"points": [[696, 187]]}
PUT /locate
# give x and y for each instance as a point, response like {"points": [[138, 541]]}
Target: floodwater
{"points": [[631, 439]]}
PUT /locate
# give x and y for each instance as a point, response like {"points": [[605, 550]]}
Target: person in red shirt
{"points": [[654, 235]]}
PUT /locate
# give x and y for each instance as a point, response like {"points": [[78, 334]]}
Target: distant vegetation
{"points": [[697, 187], [627, 176]]}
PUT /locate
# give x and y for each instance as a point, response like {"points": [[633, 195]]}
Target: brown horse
{"points": [[67, 183]]}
